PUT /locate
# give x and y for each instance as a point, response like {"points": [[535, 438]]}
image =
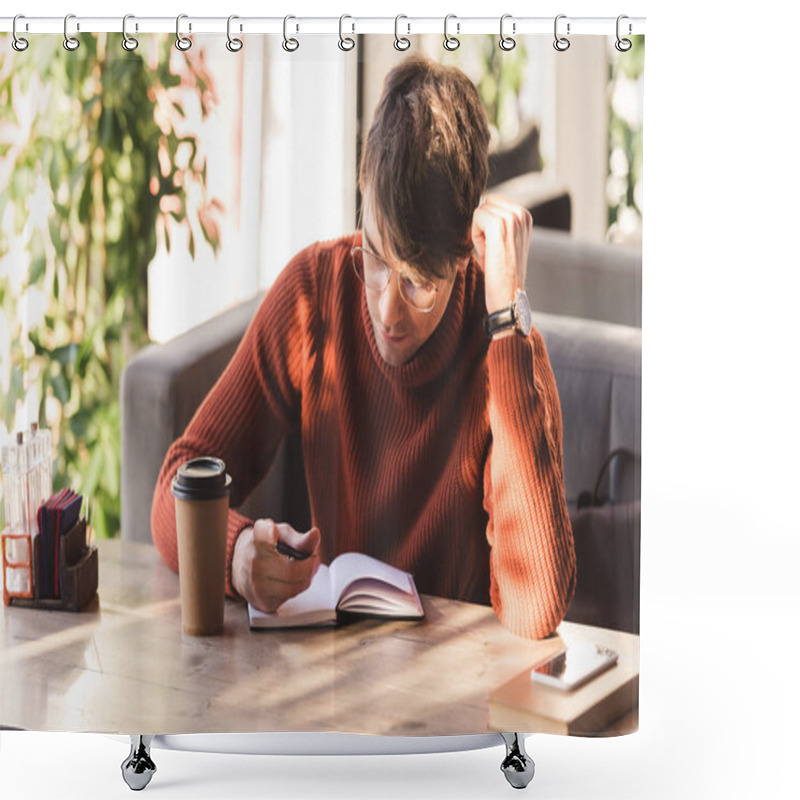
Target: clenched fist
{"points": [[264, 577]]}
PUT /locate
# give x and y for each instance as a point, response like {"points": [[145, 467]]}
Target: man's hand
{"points": [[264, 577], [501, 233]]}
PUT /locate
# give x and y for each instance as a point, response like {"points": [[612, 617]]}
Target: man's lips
{"points": [[394, 339]]}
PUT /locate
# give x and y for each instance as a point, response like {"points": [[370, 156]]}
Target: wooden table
{"points": [[123, 665]]}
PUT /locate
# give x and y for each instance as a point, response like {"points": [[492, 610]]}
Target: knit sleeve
{"points": [[532, 561], [255, 402]]}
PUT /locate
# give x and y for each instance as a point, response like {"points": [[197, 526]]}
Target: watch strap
{"points": [[499, 321]]}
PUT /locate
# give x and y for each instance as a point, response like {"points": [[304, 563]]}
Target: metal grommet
{"points": [[561, 43], [450, 42], [70, 42], [18, 43], [347, 43], [183, 43], [128, 42], [400, 42], [289, 45], [623, 45], [234, 45], [506, 42]]}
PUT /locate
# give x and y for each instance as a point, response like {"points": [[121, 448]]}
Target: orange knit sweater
{"points": [[448, 466]]}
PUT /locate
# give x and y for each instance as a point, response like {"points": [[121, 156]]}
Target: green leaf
{"points": [[85, 202], [100, 521], [38, 348], [65, 355], [92, 475], [60, 387], [37, 270]]}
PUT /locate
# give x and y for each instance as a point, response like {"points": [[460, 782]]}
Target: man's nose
{"points": [[391, 305]]}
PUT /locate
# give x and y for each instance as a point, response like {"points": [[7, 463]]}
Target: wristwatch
{"points": [[516, 316]]}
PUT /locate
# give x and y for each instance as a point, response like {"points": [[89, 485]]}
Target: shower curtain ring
{"points": [[70, 42], [507, 42], [623, 45], [561, 43], [345, 43], [451, 42], [183, 43], [400, 42], [18, 43], [128, 42], [234, 45], [289, 45]]}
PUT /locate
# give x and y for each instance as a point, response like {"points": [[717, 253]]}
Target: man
{"points": [[430, 421]]}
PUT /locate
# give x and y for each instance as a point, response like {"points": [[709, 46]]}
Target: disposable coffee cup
{"points": [[201, 489]]}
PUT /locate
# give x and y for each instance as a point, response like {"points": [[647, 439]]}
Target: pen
{"points": [[285, 550]]}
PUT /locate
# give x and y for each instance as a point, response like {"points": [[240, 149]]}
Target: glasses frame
{"points": [[389, 271]]}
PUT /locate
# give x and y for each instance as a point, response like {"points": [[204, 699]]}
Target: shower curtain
{"points": [[397, 289]]}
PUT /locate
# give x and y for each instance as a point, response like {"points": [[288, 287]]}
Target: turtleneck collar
{"points": [[431, 360]]}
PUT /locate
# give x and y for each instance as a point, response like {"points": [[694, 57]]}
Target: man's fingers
{"points": [[269, 564], [498, 207], [275, 581], [294, 574], [265, 534], [507, 218], [304, 542]]}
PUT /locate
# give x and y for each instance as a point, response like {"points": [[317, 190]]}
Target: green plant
{"points": [[498, 76], [92, 160], [500, 82], [625, 141]]}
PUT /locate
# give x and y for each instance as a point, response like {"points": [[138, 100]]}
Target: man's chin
{"points": [[394, 356], [391, 356]]}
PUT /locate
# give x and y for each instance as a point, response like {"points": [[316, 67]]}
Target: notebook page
{"points": [[318, 597], [350, 566], [370, 596]]}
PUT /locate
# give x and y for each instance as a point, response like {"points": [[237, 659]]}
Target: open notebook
{"points": [[355, 583]]}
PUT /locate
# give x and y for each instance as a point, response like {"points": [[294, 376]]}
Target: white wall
{"points": [[309, 171]]}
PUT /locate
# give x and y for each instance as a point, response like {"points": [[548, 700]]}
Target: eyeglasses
{"points": [[375, 274]]}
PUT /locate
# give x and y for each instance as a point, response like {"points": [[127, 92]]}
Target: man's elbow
{"points": [[535, 614], [532, 625]]}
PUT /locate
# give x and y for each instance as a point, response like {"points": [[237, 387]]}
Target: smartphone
{"points": [[574, 666]]}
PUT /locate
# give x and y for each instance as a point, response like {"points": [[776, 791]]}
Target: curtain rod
{"points": [[513, 26]]}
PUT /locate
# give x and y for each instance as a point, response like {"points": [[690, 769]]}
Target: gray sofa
{"points": [[587, 305]]}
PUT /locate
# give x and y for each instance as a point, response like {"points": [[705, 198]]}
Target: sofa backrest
{"points": [[587, 280], [597, 367]]}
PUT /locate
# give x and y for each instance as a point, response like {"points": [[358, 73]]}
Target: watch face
{"points": [[522, 311]]}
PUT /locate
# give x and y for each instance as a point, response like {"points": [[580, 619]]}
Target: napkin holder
{"points": [[79, 573]]}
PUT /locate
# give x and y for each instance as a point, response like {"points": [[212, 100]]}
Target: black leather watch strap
{"points": [[499, 321]]}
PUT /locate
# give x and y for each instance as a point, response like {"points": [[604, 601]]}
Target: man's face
{"points": [[400, 330]]}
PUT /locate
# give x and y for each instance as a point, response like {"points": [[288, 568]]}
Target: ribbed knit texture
{"points": [[448, 466]]}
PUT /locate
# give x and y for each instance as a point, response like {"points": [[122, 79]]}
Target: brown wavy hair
{"points": [[425, 164]]}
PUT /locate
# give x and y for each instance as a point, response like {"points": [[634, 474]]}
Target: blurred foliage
{"points": [[498, 76], [499, 84], [89, 166], [625, 140]]}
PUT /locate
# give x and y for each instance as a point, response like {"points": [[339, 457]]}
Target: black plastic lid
{"points": [[201, 479]]}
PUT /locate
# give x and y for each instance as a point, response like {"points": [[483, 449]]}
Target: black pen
{"points": [[285, 550]]}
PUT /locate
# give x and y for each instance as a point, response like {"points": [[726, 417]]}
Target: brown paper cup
{"points": [[202, 534], [201, 491]]}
